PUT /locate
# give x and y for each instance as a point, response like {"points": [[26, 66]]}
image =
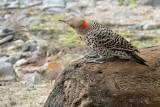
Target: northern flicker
{"points": [[103, 42]]}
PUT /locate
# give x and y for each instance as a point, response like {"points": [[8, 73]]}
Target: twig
{"points": [[10, 33]]}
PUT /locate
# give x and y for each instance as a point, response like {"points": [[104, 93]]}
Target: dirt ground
{"points": [[16, 94]]}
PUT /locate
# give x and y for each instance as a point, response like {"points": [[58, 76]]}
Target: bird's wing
{"points": [[116, 42]]}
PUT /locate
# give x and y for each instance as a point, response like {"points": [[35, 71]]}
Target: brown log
{"points": [[117, 83]]}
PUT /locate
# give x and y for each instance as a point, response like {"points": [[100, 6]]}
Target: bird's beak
{"points": [[64, 21]]}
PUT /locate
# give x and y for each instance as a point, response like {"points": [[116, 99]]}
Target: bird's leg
{"points": [[92, 55], [97, 60], [102, 59]]}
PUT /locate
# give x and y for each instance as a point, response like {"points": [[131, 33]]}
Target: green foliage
{"points": [[137, 44], [124, 33], [51, 23], [147, 42], [31, 12], [47, 22], [126, 2], [71, 37]]}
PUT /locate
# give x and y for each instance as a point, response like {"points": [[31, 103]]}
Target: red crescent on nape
{"points": [[84, 25]]}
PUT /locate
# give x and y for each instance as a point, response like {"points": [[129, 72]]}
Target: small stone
{"points": [[3, 59], [7, 72], [14, 58], [6, 39], [13, 103], [19, 43], [29, 85], [30, 45], [6, 68], [7, 16], [44, 67], [54, 3], [5, 29], [121, 15], [31, 79], [21, 62], [25, 48], [150, 26], [31, 69]]}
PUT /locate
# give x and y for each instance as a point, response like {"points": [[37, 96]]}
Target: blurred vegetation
{"points": [[70, 37], [51, 24], [31, 12], [125, 2], [140, 41]]}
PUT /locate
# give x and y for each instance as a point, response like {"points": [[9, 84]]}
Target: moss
{"points": [[125, 2]]}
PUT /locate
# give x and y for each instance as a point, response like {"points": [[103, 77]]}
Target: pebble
{"points": [[21, 62], [6, 39]]}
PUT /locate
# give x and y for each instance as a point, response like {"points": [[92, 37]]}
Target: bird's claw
{"points": [[91, 56], [94, 61]]}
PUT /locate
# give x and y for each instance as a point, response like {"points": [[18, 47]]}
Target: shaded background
{"points": [[35, 47]]}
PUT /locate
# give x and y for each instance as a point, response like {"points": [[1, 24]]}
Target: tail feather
{"points": [[139, 59]]}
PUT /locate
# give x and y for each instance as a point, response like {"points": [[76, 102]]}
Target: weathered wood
{"points": [[118, 83]]}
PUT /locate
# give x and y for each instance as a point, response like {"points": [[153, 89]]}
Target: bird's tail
{"points": [[139, 59]]}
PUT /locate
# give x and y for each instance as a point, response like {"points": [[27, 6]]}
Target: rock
{"points": [[29, 48], [19, 43], [150, 26], [111, 84], [30, 45], [156, 17], [6, 39], [6, 68], [7, 72], [45, 66], [31, 69], [5, 29], [14, 4], [25, 48], [13, 103], [31, 79], [59, 10], [145, 26], [59, 3], [21, 62], [6, 16], [154, 3], [14, 58], [35, 57], [55, 5], [72, 6], [121, 15], [3, 59]]}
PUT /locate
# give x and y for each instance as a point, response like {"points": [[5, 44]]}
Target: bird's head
{"points": [[76, 23]]}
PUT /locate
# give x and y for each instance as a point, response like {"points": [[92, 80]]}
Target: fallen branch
{"points": [[117, 83]]}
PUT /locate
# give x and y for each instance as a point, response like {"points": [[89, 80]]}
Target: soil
{"points": [[18, 95]]}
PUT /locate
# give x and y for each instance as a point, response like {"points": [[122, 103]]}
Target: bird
{"points": [[103, 42]]}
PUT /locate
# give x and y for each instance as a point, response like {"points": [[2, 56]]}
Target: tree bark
{"points": [[116, 83]]}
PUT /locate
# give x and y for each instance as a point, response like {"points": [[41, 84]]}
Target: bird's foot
{"points": [[97, 61], [92, 56], [101, 60]]}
